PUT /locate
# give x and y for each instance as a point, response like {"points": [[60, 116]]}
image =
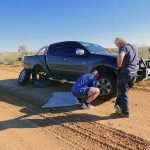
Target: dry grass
{"points": [[10, 58], [143, 52]]}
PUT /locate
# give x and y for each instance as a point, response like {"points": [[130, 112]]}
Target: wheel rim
{"points": [[104, 86], [40, 75]]}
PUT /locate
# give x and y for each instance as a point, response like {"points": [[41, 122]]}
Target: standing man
{"points": [[85, 89], [126, 77]]}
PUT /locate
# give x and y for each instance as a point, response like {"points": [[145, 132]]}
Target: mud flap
{"points": [[60, 99]]}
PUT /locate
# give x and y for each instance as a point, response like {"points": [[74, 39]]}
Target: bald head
{"points": [[96, 74]]}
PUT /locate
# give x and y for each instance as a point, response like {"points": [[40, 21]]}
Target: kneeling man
{"points": [[85, 89]]}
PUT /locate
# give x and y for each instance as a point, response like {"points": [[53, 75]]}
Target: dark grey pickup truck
{"points": [[66, 61]]}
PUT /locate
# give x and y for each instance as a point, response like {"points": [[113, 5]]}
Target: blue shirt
{"points": [[84, 82], [130, 58]]}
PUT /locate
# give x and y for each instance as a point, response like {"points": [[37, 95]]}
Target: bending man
{"points": [[85, 89]]}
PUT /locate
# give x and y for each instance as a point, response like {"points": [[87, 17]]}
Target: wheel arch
{"points": [[37, 66], [104, 69], [107, 72], [41, 66]]}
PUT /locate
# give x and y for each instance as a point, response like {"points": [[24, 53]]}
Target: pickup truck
{"points": [[66, 61]]}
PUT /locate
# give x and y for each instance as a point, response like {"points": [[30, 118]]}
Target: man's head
{"points": [[119, 42], [96, 74]]}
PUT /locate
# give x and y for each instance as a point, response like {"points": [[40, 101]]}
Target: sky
{"points": [[36, 23]]}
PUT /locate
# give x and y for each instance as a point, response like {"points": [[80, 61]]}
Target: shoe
{"points": [[118, 109], [77, 102], [120, 112], [124, 115], [88, 106]]}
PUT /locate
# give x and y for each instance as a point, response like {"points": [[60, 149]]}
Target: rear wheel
{"points": [[107, 86], [24, 76]]}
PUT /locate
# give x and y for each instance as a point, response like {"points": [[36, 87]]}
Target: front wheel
{"points": [[107, 86]]}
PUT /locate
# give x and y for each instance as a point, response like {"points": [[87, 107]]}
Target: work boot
{"points": [[78, 102], [118, 109], [124, 115], [120, 112], [87, 106]]}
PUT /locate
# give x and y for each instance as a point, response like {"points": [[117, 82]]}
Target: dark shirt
{"points": [[130, 58], [84, 82]]}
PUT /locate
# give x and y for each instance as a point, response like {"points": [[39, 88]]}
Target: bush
{"points": [[149, 50], [144, 52], [8, 58]]}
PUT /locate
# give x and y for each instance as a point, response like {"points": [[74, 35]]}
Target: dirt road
{"points": [[23, 125], [17, 132]]}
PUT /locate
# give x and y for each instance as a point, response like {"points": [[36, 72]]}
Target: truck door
{"points": [[54, 61], [74, 65]]}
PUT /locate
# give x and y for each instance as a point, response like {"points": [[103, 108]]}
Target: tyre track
{"points": [[83, 132], [121, 140]]}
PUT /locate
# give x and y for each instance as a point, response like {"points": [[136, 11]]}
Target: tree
{"points": [[149, 50], [22, 51]]}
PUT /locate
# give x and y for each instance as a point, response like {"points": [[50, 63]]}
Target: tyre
{"points": [[24, 76], [107, 86]]}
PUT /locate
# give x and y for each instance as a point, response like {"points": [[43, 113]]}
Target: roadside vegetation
{"points": [[143, 52], [12, 58]]}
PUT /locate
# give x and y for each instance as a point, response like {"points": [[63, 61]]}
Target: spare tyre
{"points": [[24, 76]]}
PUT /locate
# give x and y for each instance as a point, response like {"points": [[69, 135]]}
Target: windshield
{"points": [[94, 48]]}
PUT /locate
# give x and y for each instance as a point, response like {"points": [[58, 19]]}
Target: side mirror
{"points": [[80, 52]]}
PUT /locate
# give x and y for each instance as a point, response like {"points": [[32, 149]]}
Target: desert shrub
{"points": [[144, 52], [113, 50], [10, 58], [22, 51], [149, 50]]}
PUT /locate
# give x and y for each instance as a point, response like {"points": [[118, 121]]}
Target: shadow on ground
{"points": [[32, 99]]}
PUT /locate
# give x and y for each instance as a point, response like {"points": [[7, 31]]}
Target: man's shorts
{"points": [[82, 96]]}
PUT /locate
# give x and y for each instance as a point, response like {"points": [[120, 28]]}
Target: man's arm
{"points": [[94, 83], [120, 59]]}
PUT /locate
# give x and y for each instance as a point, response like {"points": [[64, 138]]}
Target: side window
{"points": [[56, 51], [70, 50]]}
